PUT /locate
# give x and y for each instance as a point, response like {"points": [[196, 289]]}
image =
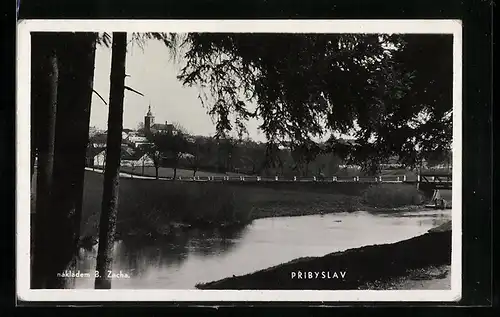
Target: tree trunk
{"points": [[76, 54], [44, 82], [156, 170], [175, 171], [107, 225]]}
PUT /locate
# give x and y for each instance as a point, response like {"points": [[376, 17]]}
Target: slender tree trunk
{"points": [[76, 54], [107, 225], [82, 127], [45, 81], [156, 170], [175, 171]]}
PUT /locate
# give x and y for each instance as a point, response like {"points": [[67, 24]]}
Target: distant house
{"points": [[354, 167], [186, 156], [162, 128], [137, 158], [93, 131], [97, 157], [136, 140], [98, 140], [392, 162]]}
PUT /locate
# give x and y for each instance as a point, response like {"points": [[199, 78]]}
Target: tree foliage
{"points": [[392, 93], [168, 147], [199, 151]]}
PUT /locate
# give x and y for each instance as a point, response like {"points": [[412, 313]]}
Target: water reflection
{"points": [[139, 256], [180, 261]]}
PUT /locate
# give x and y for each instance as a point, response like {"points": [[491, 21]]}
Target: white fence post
{"points": [[357, 178], [334, 178], [404, 178], [258, 178], [380, 178], [354, 178], [275, 178], [398, 178], [314, 178], [295, 178]]}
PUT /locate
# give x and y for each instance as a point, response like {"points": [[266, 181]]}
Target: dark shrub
{"points": [[392, 196]]}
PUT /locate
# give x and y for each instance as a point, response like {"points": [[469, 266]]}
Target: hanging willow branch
{"points": [[98, 95], [133, 90]]}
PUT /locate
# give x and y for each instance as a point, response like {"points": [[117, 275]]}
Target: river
{"points": [[202, 256]]}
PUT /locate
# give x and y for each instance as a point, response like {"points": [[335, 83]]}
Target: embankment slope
{"points": [[362, 265]]}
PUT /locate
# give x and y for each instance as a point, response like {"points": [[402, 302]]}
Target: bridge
{"points": [[425, 181], [433, 181]]}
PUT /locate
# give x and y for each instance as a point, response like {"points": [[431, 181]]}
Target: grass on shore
{"points": [[154, 205], [148, 207], [427, 278], [392, 196]]}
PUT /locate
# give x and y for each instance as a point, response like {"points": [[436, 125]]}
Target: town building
{"points": [[151, 127], [97, 158]]}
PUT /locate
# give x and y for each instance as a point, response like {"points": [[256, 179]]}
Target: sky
{"points": [[153, 72]]}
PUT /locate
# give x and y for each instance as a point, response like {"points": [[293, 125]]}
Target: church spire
{"points": [[149, 111]]}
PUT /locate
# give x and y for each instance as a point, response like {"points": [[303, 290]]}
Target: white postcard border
{"points": [[234, 26]]}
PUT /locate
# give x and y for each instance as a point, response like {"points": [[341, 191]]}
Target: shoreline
{"points": [[373, 210], [156, 209], [174, 227], [430, 250], [428, 278]]}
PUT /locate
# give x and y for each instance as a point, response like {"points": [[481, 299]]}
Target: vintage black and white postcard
{"points": [[239, 160]]}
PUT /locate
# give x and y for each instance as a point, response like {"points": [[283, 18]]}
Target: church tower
{"points": [[149, 120]]}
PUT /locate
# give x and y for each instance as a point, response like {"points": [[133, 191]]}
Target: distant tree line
{"points": [[246, 156]]}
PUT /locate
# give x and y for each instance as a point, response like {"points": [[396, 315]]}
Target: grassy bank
{"points": [[149, 207], [391, 197], [428, 278], [362, 266]]}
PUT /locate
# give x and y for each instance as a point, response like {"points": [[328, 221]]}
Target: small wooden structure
{"points": [[432, 181]]}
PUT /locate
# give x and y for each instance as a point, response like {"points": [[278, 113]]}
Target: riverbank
{"points": [[366, 267], [429, 278], [157, 207]]}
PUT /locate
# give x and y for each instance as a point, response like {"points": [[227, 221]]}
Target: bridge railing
{"points": [[247, 178], [426, 178], [331, 179]]}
